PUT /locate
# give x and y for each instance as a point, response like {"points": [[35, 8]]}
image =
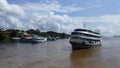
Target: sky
{"points": [[61, 15]]}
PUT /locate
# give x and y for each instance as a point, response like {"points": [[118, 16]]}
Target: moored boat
{"points": [[33, 39], [36, 39]]}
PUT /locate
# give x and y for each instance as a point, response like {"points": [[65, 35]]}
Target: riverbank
{"points": [[9, 35]]}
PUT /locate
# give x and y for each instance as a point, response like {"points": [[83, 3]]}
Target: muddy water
{"points": [[59, 54]]}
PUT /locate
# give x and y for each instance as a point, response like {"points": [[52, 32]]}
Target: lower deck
{"points": [[83, 45]]}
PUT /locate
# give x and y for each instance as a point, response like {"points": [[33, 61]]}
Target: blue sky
{"points": [[61, 15], [91, 7]]}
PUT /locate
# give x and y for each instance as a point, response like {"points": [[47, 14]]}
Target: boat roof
{"points": [[87, 30], [86, 33], [85, 37]]}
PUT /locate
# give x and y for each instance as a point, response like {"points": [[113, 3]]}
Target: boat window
{"points": [[73, 33], [88, 35], [75, 38]]}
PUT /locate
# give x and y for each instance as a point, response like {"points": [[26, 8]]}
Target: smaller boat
{"points": [[15, 39], [36, 39], [116, 36], [52, 38], [33, 39]]}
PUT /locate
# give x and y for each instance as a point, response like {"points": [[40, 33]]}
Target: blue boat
{"points": [[37, 39]]}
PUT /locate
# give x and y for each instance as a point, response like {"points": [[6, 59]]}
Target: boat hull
{"points": [[76, 46], [38, 40]]}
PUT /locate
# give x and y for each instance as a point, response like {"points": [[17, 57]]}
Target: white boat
{"points": [[38, 39], [85, 38]]}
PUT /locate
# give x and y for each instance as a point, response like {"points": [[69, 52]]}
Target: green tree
{"points": [[2, 36]]}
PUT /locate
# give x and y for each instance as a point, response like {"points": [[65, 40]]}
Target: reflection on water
{"points": [[85, 53], [83, 58], [59, 54], [106, 56]]}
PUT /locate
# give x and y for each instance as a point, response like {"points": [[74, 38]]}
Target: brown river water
{"points": [[59, 54]]}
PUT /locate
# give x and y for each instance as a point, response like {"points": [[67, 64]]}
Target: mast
{"points": [[84, 25]]}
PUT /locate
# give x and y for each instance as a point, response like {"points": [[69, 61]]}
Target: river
{"points": [[59, 54]]}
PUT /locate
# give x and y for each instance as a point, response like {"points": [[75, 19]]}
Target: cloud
{"points": [[51, 6], [43, 16], [14, 16], [54, 6], [107, 24], [53, 22], [10, 15], [10, 9]]}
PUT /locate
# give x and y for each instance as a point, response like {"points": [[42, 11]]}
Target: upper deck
{"points": [[85, 33], [86, 30]]}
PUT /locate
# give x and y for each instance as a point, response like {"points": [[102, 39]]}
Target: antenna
{"points": [[84, 24]]}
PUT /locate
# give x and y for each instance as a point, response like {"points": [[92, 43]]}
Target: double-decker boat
{"points": [[85, 38]]}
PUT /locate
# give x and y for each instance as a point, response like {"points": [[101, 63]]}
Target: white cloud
{"points": [[107, 24], [10, 15], [42, 16], [51, 6], [51, 21], [10, 9]]}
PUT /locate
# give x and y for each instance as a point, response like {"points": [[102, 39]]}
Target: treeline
{"points": [[6, 35]]}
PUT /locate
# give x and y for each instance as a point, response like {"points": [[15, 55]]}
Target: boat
{"points": [[52, 38], [38, 39], [84, 38], [34, 39], [15, 39], [116, 36]]}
